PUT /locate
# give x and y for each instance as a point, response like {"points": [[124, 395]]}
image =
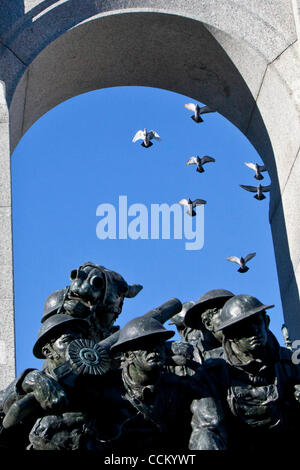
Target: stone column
{"points": [[296, 8], [7, 330], [279, 105]]}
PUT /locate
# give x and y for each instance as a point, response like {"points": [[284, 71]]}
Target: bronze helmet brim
{"points": [[193, 315], [132, 343], [252, 312], [42, 340]]}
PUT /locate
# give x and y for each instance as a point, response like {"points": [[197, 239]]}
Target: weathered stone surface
{"points": [[252, 70], [267, 27], [279, 104], [6, 273], [5, 196], [17, 112], [10, 13], [291, 211], [7, 335], [285, 226], [153, 50], [5, 192], [5, 243], [290, 308], [285, 268], [296, 8], [11, 69], [7, 330], [7, 342]]}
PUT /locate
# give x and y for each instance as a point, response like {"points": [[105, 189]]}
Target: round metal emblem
{"points": [[87, 357]]}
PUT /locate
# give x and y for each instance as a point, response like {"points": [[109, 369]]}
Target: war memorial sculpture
{"points": [[226, 385]]}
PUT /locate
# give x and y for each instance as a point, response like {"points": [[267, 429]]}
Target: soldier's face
{"points": [[211, 320], [56, 349], [151, 358], [250, 334]]}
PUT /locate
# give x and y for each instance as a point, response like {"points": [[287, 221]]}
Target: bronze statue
{"points": [[250, 396], [163, 399], [76, 402], [54, 304], [182, 358], [37, 393], [204, 317], [97, 295], [227, 384]]}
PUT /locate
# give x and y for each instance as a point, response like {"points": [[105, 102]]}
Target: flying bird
{"points": [[197, 110], [241, 261], [199, 162], [257, 168], [259, 190], [146, 137], [191, 205]]}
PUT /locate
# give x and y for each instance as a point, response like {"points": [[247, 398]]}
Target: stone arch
{"points": [[240, 57]]}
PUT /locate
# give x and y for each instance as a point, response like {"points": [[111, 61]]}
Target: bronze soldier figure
{"points": [[250, 396], [161, 399], [76, 402], [204, 318], [37, 393]]}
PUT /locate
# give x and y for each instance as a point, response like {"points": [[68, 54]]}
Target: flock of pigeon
{"points": [[147, 136]]}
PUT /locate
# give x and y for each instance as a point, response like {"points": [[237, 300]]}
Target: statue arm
{"points": [[208, 426], [48, 392], [29, 395]]}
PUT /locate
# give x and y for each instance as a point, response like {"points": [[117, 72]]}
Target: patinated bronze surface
{"points": [[227, 384], [250, 397]]}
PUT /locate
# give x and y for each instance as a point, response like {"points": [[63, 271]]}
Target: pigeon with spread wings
{"points": [[146, 137], [241, 261], [191, 205], [200, 162], [257, 168], [197, 110], [259, 190]]}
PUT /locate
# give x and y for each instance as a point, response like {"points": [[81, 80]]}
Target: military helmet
{"points": [[136, 331], [238, 308], [209, 299], [54, 325], [53, 303]]}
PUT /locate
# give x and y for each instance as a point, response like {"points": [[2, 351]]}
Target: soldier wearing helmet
{"points": [[141, 342], [62, 408], [250, 400], [203, 317], [36, 393], [54, 304], [162, 400], [76, 402]]}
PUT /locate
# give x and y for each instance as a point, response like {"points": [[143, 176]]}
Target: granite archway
{"points": [[240, 58]]}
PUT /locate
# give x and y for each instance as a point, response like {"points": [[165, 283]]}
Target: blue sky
{"points": [[80, 154]]}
